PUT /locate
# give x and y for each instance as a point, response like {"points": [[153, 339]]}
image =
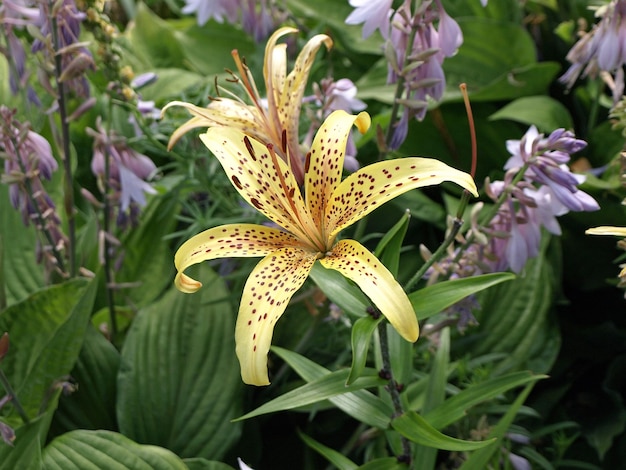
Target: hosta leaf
{"points": [[179, 384]]}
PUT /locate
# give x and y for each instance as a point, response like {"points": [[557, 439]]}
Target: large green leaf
{"points": [[21, 273], [92, 405], [546, 113], [433, 299], [340, 290], [46, 332], [179, 383], [361, 405], [83, 449]]}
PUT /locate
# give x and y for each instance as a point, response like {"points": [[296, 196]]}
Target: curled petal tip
{"points": [[363, 122], [186, 284]]}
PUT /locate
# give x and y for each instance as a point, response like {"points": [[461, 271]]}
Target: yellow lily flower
{"points": [[309, 228], [275, 122]]}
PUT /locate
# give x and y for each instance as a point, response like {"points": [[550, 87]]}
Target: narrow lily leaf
{"points": [[362, 405], [433, 299], [388, 248], [385, 463], [362, 332], [326, 387], [479, 459], [83, 449], [336, 458], [340, 290], [425, 456], [455, 407], [418, 430]]}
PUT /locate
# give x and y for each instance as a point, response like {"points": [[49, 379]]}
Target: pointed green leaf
{"points": [[340, 290], [326, 387], [455, 407], [417, 429], [340, 461], [543, 112], [362, 332], [82, 450], [361, 405], [41, 355], [384, 463], [479, 459], [179, 384], [388, 248], [433, 299], [203, 464]]}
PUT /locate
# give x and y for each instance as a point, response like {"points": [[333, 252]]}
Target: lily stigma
{"points": [[308, 224]]}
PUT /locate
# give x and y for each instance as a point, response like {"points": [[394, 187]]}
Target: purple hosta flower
{"points": [[146, 109], [546, 159], [129, 172], [374, 14], [258, 17], [423, 78], [27, 159], [76, 58], [218, 10], [601, 49]]}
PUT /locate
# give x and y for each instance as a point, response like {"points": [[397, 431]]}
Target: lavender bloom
{"points": [[27, 159], [212, 9], [374, 14], [128, 171], [601, 49]]}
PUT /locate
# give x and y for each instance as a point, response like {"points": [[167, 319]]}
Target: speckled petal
{"points": [[221, 112], [265, 296], [290, 100], [235, 240], [356, 262], [325, 162], [370, 187], [275, 66], [265, 182]]}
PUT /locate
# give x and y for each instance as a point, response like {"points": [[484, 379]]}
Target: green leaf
{"points": [[41, 355], [425, 456], [92, 406], [546, 113], [203, 464], [479, 459], [362, 332], [29, 441], [455, 407], [418, 430], [83, 449], [389, 246], [179, 383], [384, 463], [340, 461], [22, 275], [493, 72], [340, 290], [361, 405], [326, 387], [433, 299]]}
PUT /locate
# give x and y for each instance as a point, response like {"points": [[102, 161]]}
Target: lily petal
{"points": [[357, 263], [275, 66], [371, 186], [265, 182], [221, 112], [266, 294], [607, 230], [235, 240], [325, 162]]}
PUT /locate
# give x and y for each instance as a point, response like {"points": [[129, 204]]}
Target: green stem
{"points": [[65, 145], [13, 396], [106, 227], [392, 386]]}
